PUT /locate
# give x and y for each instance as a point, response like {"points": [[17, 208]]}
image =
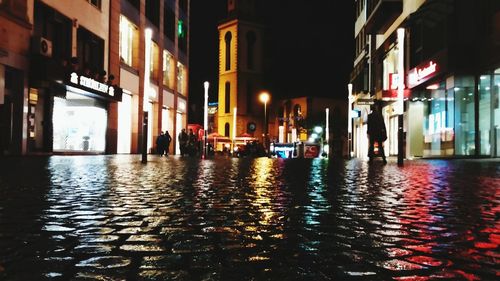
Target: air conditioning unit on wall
{"points": [[42, 46]]}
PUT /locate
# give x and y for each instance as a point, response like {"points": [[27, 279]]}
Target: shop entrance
{"points": [[79, 124]]}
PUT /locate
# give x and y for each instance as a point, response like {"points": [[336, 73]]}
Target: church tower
{"points": [[241, 71]]}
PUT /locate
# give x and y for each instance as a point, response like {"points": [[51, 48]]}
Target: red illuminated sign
{"points": [[421, 74]]}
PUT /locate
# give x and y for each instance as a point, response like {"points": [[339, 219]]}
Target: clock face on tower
{"points": [[251, 127]]}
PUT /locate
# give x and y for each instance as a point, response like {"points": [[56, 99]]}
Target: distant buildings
{"points": [[77, 76], [451, 63]]}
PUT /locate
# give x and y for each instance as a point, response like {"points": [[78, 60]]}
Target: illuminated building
{"points": [[451, 59], [83, 89]]}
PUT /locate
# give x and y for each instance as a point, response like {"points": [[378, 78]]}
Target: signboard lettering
{"points": [[419, 75]]}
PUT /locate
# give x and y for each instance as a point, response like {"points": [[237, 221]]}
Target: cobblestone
{"points": [[113, 218]]}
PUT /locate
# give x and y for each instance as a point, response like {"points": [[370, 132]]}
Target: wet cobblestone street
{"points": [[113, 218]]}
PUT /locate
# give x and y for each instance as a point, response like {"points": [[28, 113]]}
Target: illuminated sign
{"points": [[419, 74], [393, 81], [92, 84]]}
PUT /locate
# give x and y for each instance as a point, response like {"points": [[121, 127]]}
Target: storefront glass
{"points": [[485, 114], [79, 124], [496, 112], [464, 116]]}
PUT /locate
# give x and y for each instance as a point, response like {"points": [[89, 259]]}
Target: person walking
{"points": [[192, 143], [183, 140], [376, 132], [168, 140], [160, 144]]}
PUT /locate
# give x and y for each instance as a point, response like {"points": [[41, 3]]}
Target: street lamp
{"points": [[205, 120], [264, 97]]}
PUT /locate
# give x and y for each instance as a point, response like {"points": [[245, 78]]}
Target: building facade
{"points": [[85, 89], [241, 67], [15, 33], [448, 54]]}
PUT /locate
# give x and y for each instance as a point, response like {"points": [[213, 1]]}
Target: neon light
{"points": [[416, 75]]}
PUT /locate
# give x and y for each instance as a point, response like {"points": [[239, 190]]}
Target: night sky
{"points": [[310, 48]]}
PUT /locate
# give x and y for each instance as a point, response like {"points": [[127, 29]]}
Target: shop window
{"points": [[496, 112], [390, 73], [128, 40], [438, 134], [227, 100], [90, 52], [464, 116], [227, 41], [251, 38], [168, 69], [155, 54], [485, 114], [181, 78]]}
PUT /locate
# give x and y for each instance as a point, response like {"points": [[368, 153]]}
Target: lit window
{"points": [[127, 30], [168, 67], [154, 60], [180, 78]]}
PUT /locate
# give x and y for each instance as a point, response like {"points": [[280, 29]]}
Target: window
{"points": [[182, 34], [55, 27], [227, 103], [90, 50], [155, 54], [226, 130], [168, 69], [169, 22], [181, 78], [127, 34], [135, 3], [485, 114], [152, 11], [96, 3], [464, 116], [183, 5], [227, 39], [250, 49]]}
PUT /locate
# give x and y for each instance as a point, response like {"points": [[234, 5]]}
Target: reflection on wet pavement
{"points": [[113, 218]]}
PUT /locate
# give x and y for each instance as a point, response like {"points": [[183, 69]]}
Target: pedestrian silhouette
{"points": [[168, 140], [160, 144], [183, 140], [376, 132]]}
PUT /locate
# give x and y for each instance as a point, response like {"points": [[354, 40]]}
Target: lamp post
{"points": [[234, 127], [147, 64], [205, 120], [264, 97], [401, 87]]}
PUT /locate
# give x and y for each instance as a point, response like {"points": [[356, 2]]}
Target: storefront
{"points": [[460, 113], [180, 120], [80, 117]]}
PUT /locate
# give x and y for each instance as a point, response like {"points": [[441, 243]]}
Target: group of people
{"points": [[188, 143], [163, 143]]}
